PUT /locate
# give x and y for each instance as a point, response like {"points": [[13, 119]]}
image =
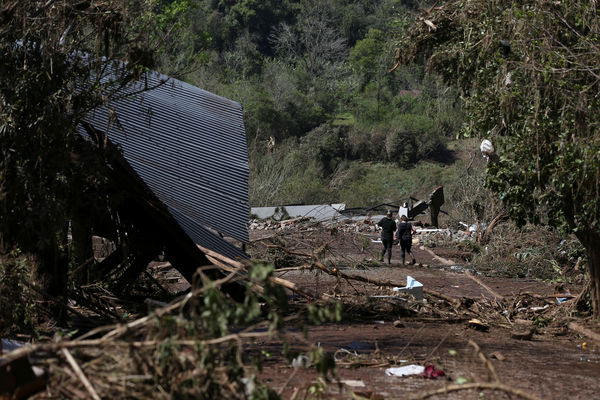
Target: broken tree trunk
{"points": [[376, 282]]}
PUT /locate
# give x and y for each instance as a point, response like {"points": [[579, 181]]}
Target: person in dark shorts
{"points": [[388, 226], [404, 236]]}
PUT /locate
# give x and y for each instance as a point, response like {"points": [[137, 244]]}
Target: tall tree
{"points": [[530, 72], [58, 61]]}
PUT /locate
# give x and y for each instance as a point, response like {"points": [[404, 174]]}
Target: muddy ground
{"points": [[551, 362]]}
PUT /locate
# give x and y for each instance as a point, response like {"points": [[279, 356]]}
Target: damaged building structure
{"points": [[180, 168]]}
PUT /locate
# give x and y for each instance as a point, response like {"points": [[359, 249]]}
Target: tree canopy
{"points": [[529, 70], [58, 61]]}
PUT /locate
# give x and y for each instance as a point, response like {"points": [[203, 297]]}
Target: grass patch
{"points": [[344, 119], [376, 183]]}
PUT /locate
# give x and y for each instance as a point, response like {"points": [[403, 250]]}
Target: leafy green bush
{"points": [[401, 147], [17, 310]]}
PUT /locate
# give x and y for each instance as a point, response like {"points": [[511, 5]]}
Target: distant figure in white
{"points": [[271, 144], [488, 151]]}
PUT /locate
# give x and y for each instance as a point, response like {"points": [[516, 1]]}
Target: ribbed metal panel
{"points": [[207, 239], [189, 147]]}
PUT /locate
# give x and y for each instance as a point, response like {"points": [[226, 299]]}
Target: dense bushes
{"points": [[315, 83], [17, 312]]}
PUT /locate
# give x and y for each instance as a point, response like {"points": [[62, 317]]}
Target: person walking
{"points": [[404, 236], [388, 226]]}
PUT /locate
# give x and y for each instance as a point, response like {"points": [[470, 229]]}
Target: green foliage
{"points": [[363, 184], [316, 62], [364, 56], [210, 314], [229, 20], [529, 98], [18, 309], [536, 98], [49, 174], [321, 313]]}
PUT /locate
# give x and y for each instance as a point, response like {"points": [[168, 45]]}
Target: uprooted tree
{"points": [[529, 72], [58, 61]]}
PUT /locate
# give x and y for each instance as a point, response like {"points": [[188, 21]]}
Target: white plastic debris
{"points": [[539, 308], [487, 148], [9, 345], [301, 361], [353, 383], [407, 370], [250, 386], [413, 287]]}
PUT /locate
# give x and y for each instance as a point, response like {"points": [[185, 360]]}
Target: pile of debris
{"points": [[442, 237], [367, 225]]}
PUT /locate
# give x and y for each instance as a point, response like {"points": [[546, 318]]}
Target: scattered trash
{"points": [[398, 324], [486, 147], [461, 380], [432, 372], [353, 383], [478, 325], [344, 352], [8, 345], [413, 287], [250, 386], [560, 300], [497, 355], [539, 308], [407, 370], [452, 352]]}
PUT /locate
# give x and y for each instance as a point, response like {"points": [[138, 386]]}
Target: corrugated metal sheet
{"points": [[189, 147]]}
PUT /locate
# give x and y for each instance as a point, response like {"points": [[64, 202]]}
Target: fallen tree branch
{"points": [[444, 261], [376, 282], [230, 265], [574, 326], [80, 374], [449, 299], [483, 285], [485, 360], [477, 386], [63, 346], [316, 263]]}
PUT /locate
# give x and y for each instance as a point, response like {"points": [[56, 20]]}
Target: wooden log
{"points": [[77, 369], [477, 386], [574, 326], [377, 282], [229, 265], [483, 285]]}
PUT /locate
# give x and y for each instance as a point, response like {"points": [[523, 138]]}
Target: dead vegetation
{"points": [[205, 345]]}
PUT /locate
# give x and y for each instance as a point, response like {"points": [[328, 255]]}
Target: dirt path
{"points": [[555, 363], [548, 366]]}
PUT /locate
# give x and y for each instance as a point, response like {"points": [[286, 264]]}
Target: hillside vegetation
{"points": [[326, 120]]}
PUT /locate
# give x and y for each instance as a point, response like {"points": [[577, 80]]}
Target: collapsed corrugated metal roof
{"points": [[189, 147]]}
